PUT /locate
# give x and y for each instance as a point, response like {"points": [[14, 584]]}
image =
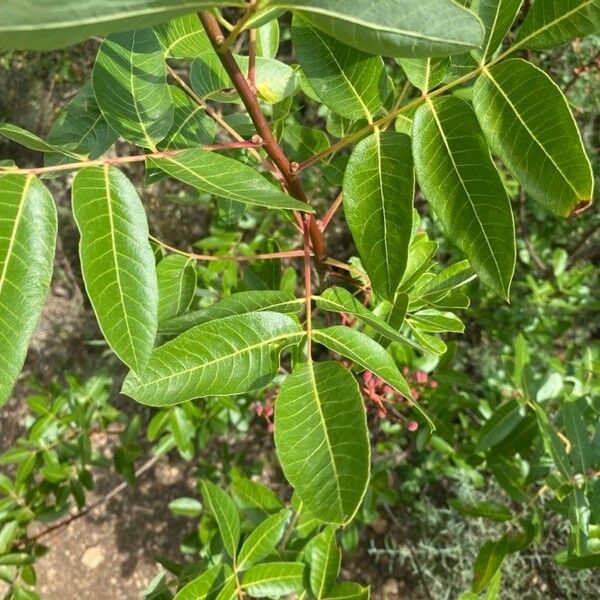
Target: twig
{"points": [[308, 285], [271, 146], [331, 212], [100, 502], [226, 44], [252, 59]]}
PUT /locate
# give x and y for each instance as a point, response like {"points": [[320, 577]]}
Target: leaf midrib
{"points": [[15, 229]]}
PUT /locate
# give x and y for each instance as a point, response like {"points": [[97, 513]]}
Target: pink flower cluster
{"points": [[386, 399], [266, 411]]}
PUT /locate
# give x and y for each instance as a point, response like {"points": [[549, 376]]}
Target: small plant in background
{"points": [[394, 96]]}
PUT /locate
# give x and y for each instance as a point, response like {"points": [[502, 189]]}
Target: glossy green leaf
{"points": [[30, 140], [338, 299], [47, 24], [302, 142], [551, 24], [224, 357], [191, 125], [325, 563], [460, 181], [213, 173], [208, 76], [176, 286], [274, 579], [208, 585], [385, 28], [497, 17], [130, 84], [425, 73], [348, 81], [236, 304], [528, 123], [348, 591], [252, 494], [435, 321], [361, 349], [488, 562], [225, 513], [379, 188], [449, 279], [420, 253], [117, 262], [81, 127], [263, 540], [27, 243], [183, 38], [322, 439]]}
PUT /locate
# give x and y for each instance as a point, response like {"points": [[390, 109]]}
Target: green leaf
{"points": [[8, 534], [497, 17], [227, 178], [208, 585], [488, 562], [575, 427], [500, 425], [487, 510], [379, 187], [325, 562], [30, 140], [322, 440], [361, 349], [224, 357], [208, 76], [177, 281], [130, 83], [385, 28], [262, 541], [274, 579], [191, 125], [569, 561], [420, 253], [528, 124], [338, 299], [187, 507], [579, 518], [117, 261], [302, 142], [351, 83], [441, 284], [460, 181], [267, 39], [275, 81], [251, 494], [348, 591], [183, 38], [27, 242], [47, 25], [425, 73], [225, 513], [81, 127], [236, 304], [553, 443], [551, 24], [435, 321]]}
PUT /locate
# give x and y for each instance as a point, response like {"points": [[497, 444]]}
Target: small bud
{"points": [[256, 139], [367, 377], [415, 394], [421, 377], [433, 384], [259, 408], [388, 390], [271, 428], [412, 426]]}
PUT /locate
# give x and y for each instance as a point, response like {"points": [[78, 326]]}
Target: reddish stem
{"points": [[331, 212]]}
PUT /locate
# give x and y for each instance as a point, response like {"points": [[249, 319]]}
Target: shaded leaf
{"points": [[273, 579], [130, 84], [497, 17], [263, 540], [488, 562], [225, 513], [325, 562], [177, 280], [183, 38], [425, 73], [349, 82]]}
